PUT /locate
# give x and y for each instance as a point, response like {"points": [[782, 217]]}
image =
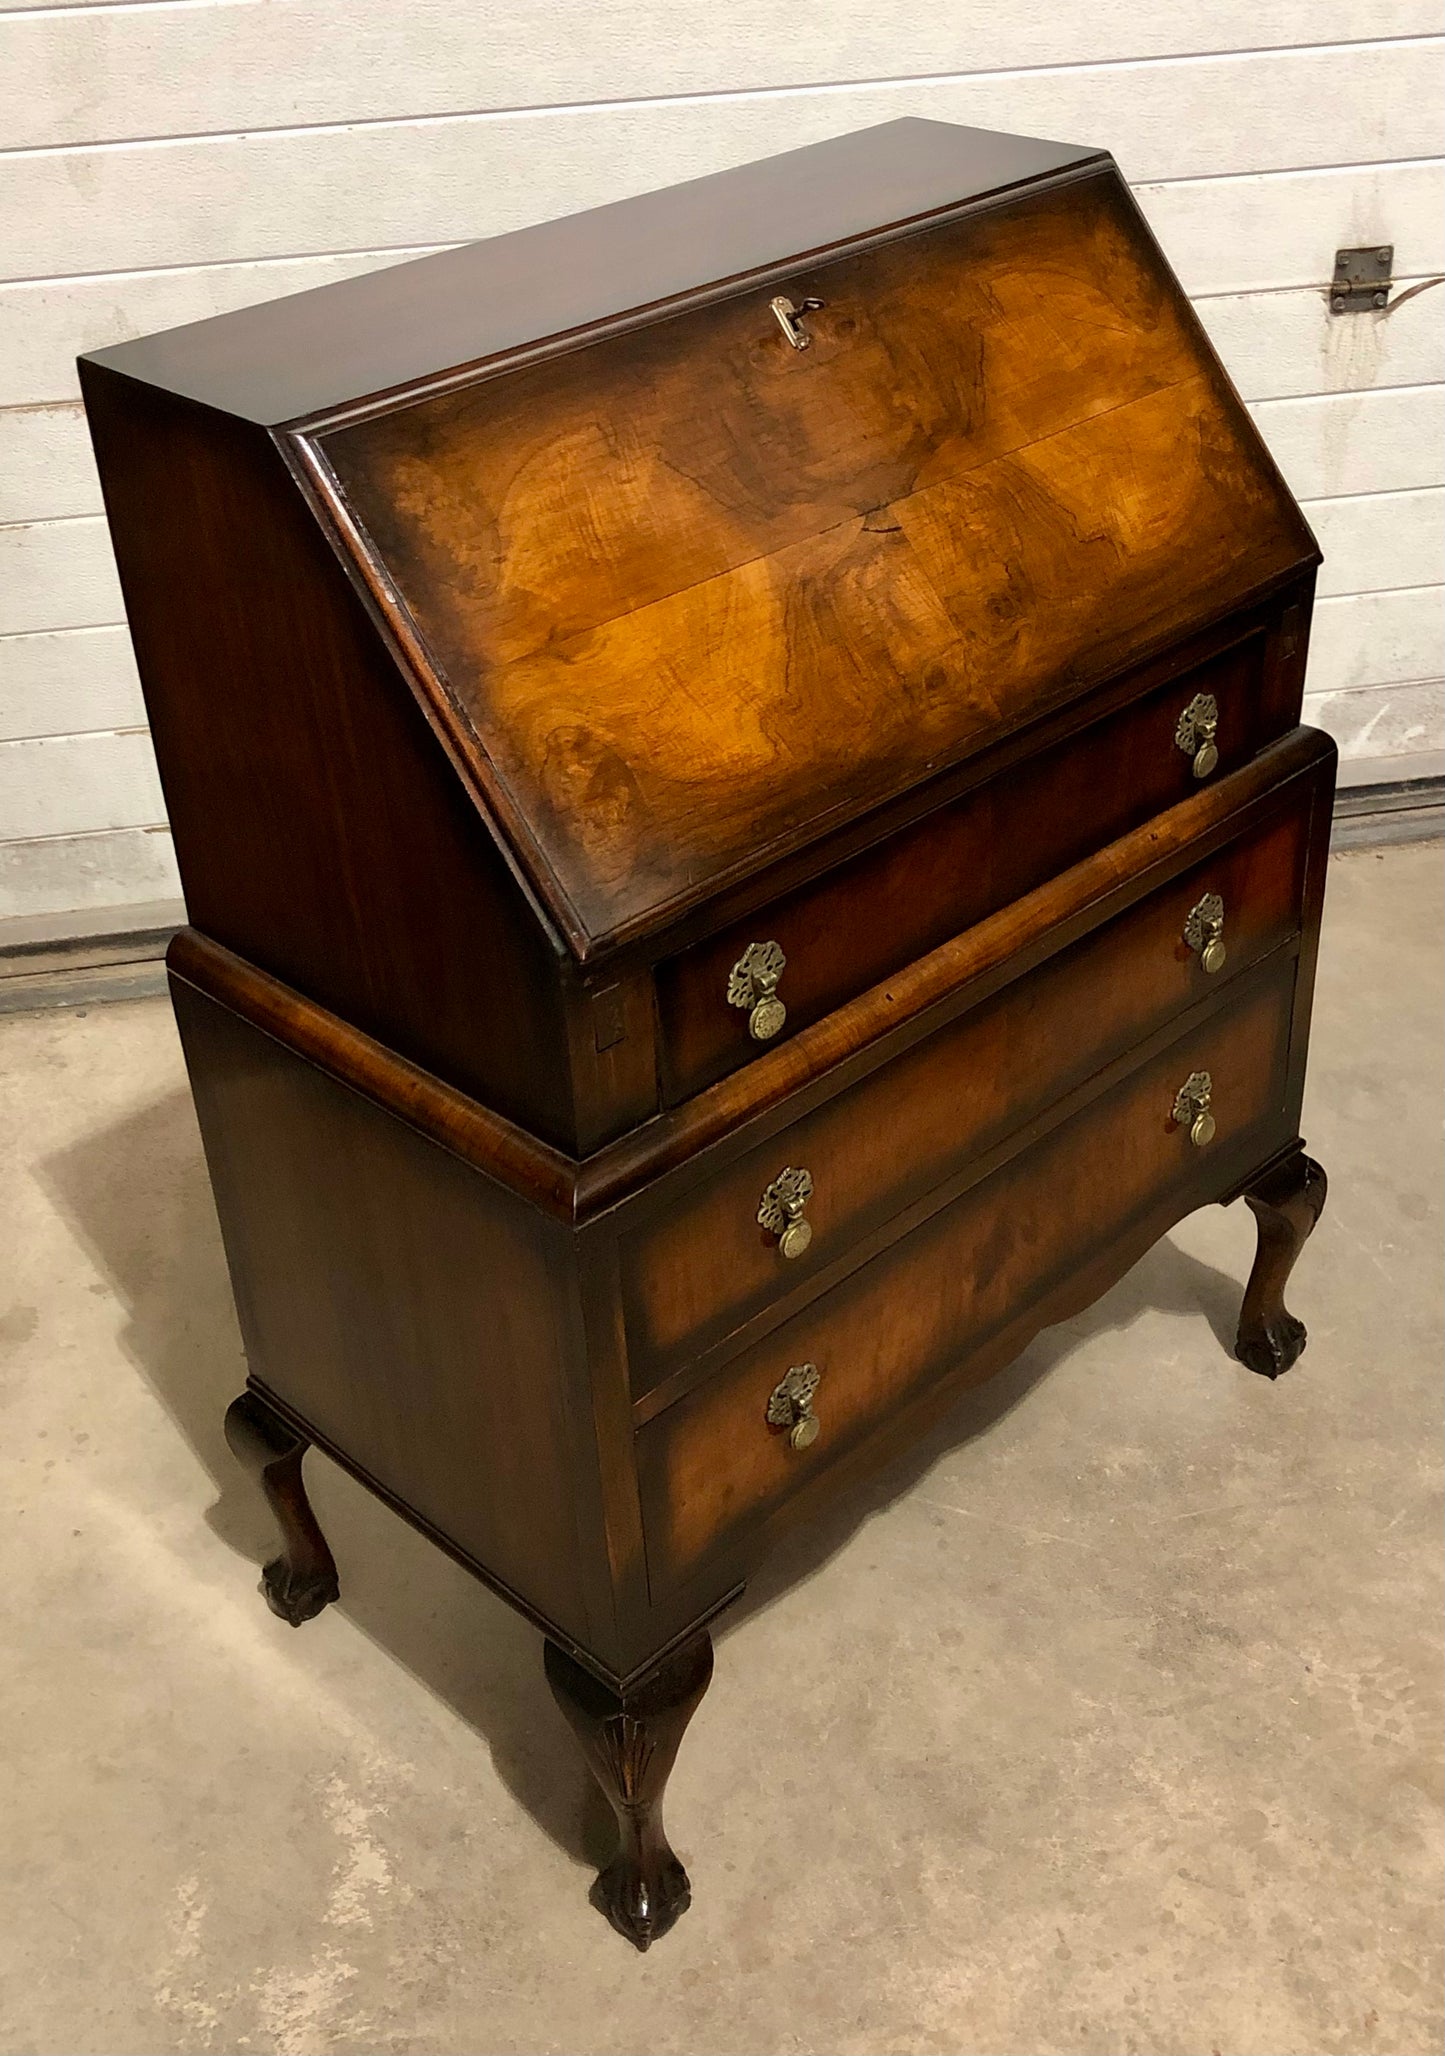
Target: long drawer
{"points": [[714, 1464], [696, 1266], [865, 919]]}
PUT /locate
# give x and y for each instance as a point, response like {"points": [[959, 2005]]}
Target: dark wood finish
{"points": [[702, 1263], [1250, 822], [630, 1740], [498, 298], [897, 901], [786, 1079], [711, 1464], [1280, 616], [302, 1579], [890, 405], [725, 654], [709, 445], [406, 1308], [508, 1154], [817, 1491], [1311, 915], [1286, 1204], [527, 631], [320, 831]]}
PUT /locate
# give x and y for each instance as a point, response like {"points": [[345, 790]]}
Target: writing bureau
{"points": [[736, 769]]}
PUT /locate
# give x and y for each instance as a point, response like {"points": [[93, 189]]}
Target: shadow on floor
{"points": [[138, 1200]]}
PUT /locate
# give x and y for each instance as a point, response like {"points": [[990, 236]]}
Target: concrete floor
{"points": [[1110, 1725]]}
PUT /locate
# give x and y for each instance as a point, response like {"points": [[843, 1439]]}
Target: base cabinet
{"points": [[606, 1385]]}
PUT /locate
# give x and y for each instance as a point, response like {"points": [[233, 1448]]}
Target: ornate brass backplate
{"points": [[1198, 726], [1192, 1108], [753, 983], [780, 1210], [1204, 931], [790, 1405]]}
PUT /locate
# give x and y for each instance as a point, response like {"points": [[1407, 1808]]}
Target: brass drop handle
{"points": [[790, 319], [780, 1210], [790, 1405], [1204, 931], [1196, 732], [1191, 1108], [753, 983]]}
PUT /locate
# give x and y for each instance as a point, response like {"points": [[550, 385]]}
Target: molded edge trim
{"points": [[275, 361], [821, 1060]]}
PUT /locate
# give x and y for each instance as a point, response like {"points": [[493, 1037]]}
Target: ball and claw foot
{"points": [[296, 1598], [1275, 1348], [642, 1908], [1286, 1204], [630, 1742], [302, 1580]]}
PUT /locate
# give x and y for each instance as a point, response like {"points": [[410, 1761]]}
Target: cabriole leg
{"points": [[302, 1579], [630, 1743], [1285, 1203]]}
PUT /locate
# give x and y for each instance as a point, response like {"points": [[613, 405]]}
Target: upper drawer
{"points": [[860, 923], [691, 596], [695, 1265]]}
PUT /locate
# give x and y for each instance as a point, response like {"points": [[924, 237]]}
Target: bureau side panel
{"points": [[321, 831], [402, 1305]]}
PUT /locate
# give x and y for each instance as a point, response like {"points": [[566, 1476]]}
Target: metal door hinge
{"points": [[1362, 279]]}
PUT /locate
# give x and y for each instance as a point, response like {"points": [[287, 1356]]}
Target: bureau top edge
{"points": [[310, 352]]}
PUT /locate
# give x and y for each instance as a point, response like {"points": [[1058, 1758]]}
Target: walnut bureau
{"points": [[734, 761]]}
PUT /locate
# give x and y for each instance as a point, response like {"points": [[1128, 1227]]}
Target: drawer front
{"points": [[711, 1465], [860, 923], [702, 1264]]}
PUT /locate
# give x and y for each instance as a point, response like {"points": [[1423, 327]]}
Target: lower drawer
{"points": [[712, 1465]]}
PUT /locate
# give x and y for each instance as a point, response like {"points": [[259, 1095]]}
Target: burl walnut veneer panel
{"points": [[933, 1299], [702, 1264], [697, 593]]}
